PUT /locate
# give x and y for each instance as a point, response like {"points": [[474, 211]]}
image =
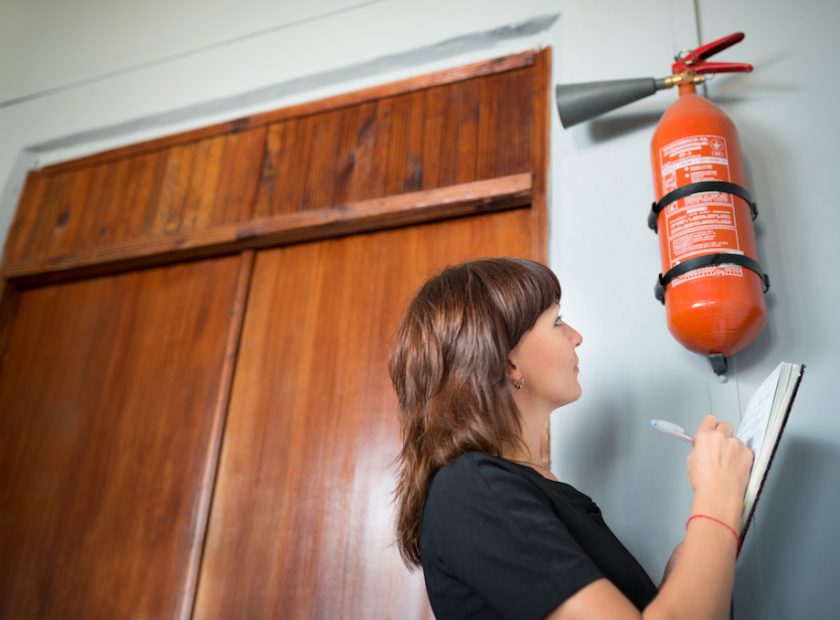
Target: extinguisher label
{"points": [[701, 223]]}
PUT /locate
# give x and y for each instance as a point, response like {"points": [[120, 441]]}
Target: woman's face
{"points": [[545, 358]]}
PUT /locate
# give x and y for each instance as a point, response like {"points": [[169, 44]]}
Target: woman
{"points": [[480, 360]]}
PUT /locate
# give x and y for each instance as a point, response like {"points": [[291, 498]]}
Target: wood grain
{"points": [[108, 397], [9, 301], [443, 133], [125, 400], [301, 524], [541, 119], [207, 481], [400, 210]]}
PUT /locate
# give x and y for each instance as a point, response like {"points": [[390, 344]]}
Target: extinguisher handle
{"points": [[724, 67], [717, 46], [695, 60]]}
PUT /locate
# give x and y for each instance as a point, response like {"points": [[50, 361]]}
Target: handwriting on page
{"points": [[753, 426]]}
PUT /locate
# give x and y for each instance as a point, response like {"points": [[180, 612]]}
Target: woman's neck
{"points": [[533, 434]]}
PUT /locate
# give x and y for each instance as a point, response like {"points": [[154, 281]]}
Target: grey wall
{"points": [[786, 112], [633, 371], [81, 78]]}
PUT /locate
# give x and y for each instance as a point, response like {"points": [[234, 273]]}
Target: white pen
{"points": [[669, 428]]}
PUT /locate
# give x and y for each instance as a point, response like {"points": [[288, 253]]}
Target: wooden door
{"points": [[112, 394], [302, 524]]}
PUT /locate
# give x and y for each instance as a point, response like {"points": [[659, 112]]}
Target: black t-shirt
{"points": [[499, 540]]}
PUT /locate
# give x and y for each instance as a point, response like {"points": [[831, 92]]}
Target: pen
{"points": [[669, 428]]}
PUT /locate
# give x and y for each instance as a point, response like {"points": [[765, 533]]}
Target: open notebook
{"points": [[762, 426]]}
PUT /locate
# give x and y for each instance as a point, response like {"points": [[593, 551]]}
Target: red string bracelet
{"points": [[716, 520]]}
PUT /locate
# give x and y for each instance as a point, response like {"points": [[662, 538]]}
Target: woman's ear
{"points": [[512, 371]]}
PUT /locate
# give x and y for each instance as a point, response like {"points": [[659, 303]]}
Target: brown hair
{"points": [[449, 365]]}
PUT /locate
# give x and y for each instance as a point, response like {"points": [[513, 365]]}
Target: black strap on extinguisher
{"points": [[696, 188], [708, 260]]}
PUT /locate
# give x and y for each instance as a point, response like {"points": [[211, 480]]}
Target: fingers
{"points": [[711, 423], [725, 428]]}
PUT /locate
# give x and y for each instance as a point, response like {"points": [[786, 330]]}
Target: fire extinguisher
{"points": [[711, 282]]}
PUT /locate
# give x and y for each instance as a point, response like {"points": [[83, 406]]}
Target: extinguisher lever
{"points": [[724, 67], [695, 60], [717, 46]]}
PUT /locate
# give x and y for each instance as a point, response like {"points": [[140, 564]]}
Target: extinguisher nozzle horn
{"points": [[584, 101]]}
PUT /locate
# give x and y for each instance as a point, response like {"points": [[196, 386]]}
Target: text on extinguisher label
{"points": [[701, 223]]}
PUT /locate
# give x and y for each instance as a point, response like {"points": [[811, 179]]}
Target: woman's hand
{"points": [[719, 468], [701, 571]]}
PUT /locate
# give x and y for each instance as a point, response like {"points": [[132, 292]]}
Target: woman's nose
{"points": [[576, 337]]}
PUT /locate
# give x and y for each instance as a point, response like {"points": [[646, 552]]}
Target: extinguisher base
{"points": [[718, 362]]}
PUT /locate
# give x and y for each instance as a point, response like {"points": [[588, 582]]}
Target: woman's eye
{"points": [[559, 321]]}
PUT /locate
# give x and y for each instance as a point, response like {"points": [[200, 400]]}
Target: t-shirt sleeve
{"points": [[496, 533]]}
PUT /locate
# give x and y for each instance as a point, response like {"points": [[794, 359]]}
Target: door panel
{"points": [[109, 403], [301, 524]]}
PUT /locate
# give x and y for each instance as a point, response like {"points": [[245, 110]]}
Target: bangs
{"points": [[520, 291]]}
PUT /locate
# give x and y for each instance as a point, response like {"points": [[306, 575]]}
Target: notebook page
{"points": [[754, 425]]}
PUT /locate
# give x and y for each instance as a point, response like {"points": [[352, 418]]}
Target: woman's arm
{"points": [[672, 562], [700, 584]]}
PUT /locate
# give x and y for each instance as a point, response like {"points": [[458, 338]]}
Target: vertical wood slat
{"points": [[54, 209], [540, 88], [235, 192], [349, 154], [541, 118], [220, 411], [67, 210], [107, 394], [175, 184], [517, 126], [107, 216], [142, 197], [276, 180], [26, 216], [89, 207], [394, 162], [203, 182], [300, 147], [468, 115], [432, 137], [322, 166], [413, 172], [363, 154], [9, 301], [282, 184], [223, 181], [383, 129], [448, 159], [487, 154]]}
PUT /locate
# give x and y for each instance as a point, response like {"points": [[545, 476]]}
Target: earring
{"points": [[519, 383]]}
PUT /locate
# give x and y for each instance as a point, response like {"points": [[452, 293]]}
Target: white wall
{"points": [[633, 371], [786, 113], [80, 78]]}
